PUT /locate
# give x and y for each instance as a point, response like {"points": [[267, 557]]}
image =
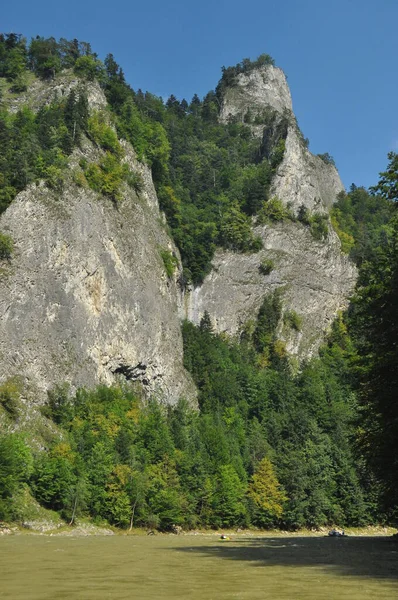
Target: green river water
{"points": [[40, 567]]}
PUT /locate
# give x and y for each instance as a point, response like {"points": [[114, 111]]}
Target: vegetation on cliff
{"points": [[268, 447], [210, 178]]}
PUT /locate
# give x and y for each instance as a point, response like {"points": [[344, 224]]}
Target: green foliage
{"points": [[15, 469], [266, 266], [170, 262], [304, 423], [13, 58], [273, 210], [107, 176], [135, 181], [387, 187], [260, 428], [327, 159], [36, 146], [266, 448], [89, 68], [319, 226], [209, 176], [6, 246], [374, 321], [228, 500], [361, 222], [267, 321], [44, 57], [10, 396], [317, 222], [102, 134], [236, 232], [346, 239], [54, 476], [293, 320]]}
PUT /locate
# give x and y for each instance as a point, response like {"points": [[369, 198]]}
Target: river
{"points": [[197, 567]]}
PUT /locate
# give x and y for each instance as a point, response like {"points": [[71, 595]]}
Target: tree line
{"points": [[270, 446]]}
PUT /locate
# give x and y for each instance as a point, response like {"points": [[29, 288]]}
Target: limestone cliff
{"points": [[86, 298], [315, 277], [301, 178]]}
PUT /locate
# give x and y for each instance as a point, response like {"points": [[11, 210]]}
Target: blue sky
{"points": [[340, 57]]}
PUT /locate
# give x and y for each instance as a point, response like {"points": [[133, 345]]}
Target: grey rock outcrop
{"points": [[305, 179], [316, 277], [301, 178], [260, 89], [42, 93], [85, 298]]}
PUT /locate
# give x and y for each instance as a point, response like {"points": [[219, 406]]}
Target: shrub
{"points": [[278, 153], [318, 223], [303, 215], [19, 84], [170, 262], [103, 134], [236, 233], [327, 158], [9, 396], [266, 266], [346, 239], [319, 226], [293, 320], [273, 210], [54, 177], [6, 246], [107, 176], [79, 178]]}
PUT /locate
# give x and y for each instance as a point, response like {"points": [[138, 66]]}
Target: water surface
{"points": [[197, 568]]}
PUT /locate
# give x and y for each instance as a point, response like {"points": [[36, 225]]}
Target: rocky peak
{"points": [[259, 89], [301, 178], [315, 278], [42, 93]]}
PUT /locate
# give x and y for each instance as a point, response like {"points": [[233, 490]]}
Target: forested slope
{"points": [[270, 445]]}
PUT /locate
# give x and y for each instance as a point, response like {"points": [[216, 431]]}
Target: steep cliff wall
{"points": [[315, 277], [301, 178], [85, 298], [259, 89]]}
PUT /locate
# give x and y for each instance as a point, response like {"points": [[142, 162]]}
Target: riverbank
{"points": [[84, 528]]}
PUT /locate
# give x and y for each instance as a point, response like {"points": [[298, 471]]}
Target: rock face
{"points": [[305, 179], [85, 298], [301, 178], [315, 277], [42, 93], [260, 89]]}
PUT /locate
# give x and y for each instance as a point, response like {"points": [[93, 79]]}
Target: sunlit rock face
{"points": [[315, 278], [85, 298], [260, 89], [301, 178]]}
